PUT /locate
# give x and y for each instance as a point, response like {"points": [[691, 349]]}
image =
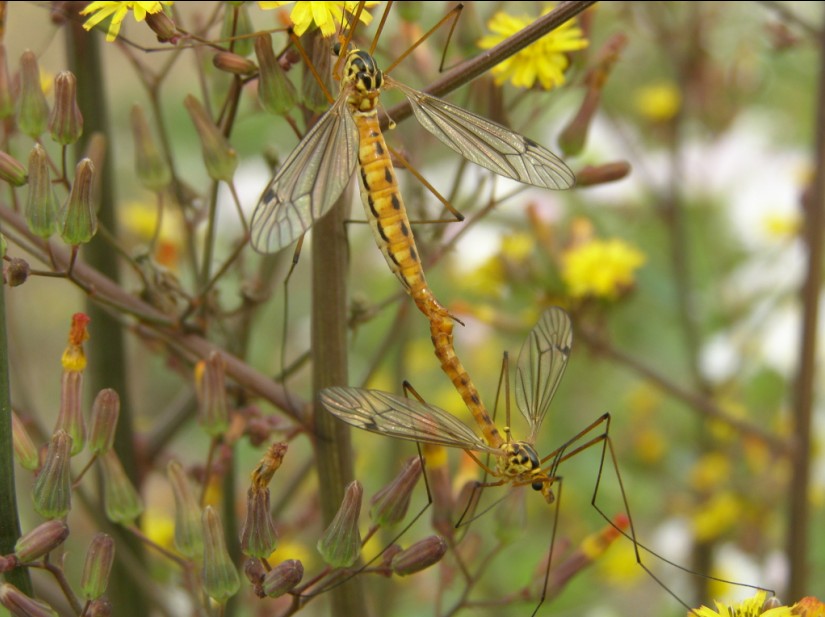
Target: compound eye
{"points": [[336, 49], [537, 485]]}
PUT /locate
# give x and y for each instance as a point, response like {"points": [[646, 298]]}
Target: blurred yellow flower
{"points": [[545, 60], [159, 527], [99, 11], [716, 517], [781, 226], [600, 268], [328, 16], [752, 607], [710, 472], [659, 102]]}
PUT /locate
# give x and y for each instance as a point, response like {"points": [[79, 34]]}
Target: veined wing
{"points": [[541, 363], [398, 416], [487, 143], [308, 183]]}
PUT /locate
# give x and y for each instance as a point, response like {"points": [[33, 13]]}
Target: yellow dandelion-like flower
{"points": [[328, 16], [752, 607], [658, 102], [809, 607], [117, 11], [545, 60], [600, 268]]}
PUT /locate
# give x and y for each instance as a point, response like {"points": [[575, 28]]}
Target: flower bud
{"points": [[233, 63], [74, 357], [210, 387], [120, 498], [6, 94], [41, 540], [70, 417], [236, 23], [17, 272], [152, 170], [389, 505], [101, 607], [220, 578], [24, 449], [52, 491], [97, 567], [66, 121], [41, 205], [275, 91], [283, 578], [254, 571], [105, 413], [21, 605], [188, 527], [419, 556], [259, 537], [602, 174], [11, 170], [220, 159], [79, 213], [163, 26], [32, 109], [340, 544]]}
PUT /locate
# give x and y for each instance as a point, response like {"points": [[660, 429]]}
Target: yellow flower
{"points": [[716, 517], [659, 102], [782, 226], [326, 15], [752, 607], [600, 268], [545, 60], [118, 11]]}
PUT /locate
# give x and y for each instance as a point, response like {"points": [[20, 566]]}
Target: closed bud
{"points": [[210, 387], [574, 136], [340, 544], [163, 26], [188, 527], [220, 578], [97, 567], [258, 537], [105, 413], [41, 204], [52, 491], [24, 449], [313, 97], [66, 121], [17, 272], [11, 170], [254, 571], [6, 94], [419, 556], [282, 578], [773, 602], [21, 605], [236, 23], [152, 170], [233, 63], [120, 498], [389, 505], [32, 109], [220, 159], [275, 91], [41, 540], [602, 174], [101, 607], [70, 417], [79, 214]]}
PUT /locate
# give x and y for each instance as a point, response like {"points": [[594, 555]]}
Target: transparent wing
{"points": [[308, 183], [398, 416], [541, 363], [488, 144]]}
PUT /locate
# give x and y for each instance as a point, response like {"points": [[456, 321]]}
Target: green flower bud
{"points": [[21, 605], [24, 449], [41, 205], [210, 387], [163, 26], [389, 505], [340, 544], [6, 93], [97, 567], [188, 527], [41, 540], [237, 23], [32, 109], [152, 170], [233, 63], [105, 413], [52, 491], [258, 537], [11, 170], [275, 91], [70, 417], [220, 578], [121, 499], [66, 121], [283, 578], [79, 214], [419, 556], [221, 159]]}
